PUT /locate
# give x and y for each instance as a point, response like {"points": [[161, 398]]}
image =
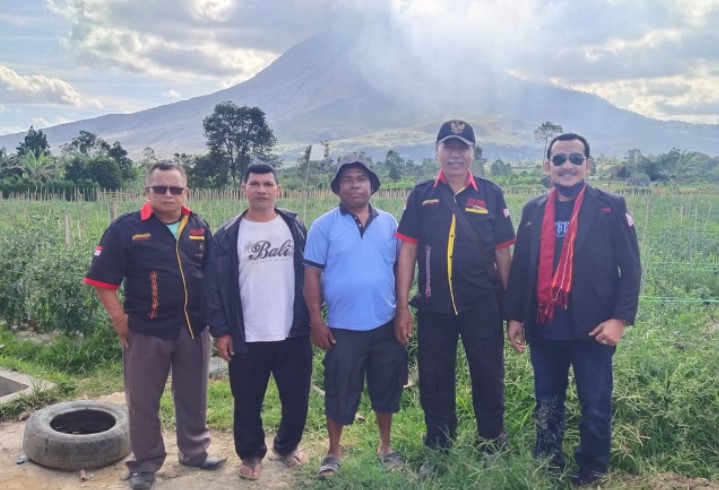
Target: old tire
{"points": [[77, 435]]}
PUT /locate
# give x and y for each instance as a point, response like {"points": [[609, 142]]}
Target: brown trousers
{"points": [[146, 365]]}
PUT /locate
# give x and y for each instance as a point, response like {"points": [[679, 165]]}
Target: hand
{"points": [[609, 332], [121, 326], [403, 325], [322, 335], [515, 335], [224, 347]]}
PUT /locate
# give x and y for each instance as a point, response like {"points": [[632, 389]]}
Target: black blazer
{"points": [[607, 270]]}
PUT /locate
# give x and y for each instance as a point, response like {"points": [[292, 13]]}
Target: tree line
{"points": [[239, 135]]}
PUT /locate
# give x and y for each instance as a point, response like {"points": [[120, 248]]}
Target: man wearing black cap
{"points": [[457, 228], [349, 261]]}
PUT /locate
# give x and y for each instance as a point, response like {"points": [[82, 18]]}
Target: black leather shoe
{"points": [[211, 463], [586, 478], [141, 480]]}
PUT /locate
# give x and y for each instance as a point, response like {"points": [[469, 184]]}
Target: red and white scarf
{"points": [[553, 290]]}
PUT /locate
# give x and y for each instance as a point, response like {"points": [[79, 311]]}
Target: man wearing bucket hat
{"points": [[457, 228], [349, 261]]}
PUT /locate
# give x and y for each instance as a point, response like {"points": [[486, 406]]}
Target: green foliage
{"points": [[35, 142], [106, 172], [498, 168], [88, 157], [665, 368], [545, 132], [82, 190], [239, 134], [32, 292], [209, 171]]}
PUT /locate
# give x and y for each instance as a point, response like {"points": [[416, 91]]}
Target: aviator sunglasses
{"points": [[162, 189], [574, 159]]}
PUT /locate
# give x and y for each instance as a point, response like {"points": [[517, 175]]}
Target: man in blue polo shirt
{"points": [[349, 260]]}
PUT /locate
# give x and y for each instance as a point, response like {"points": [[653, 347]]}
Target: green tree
{"points": [[239, 134], [395, 165], [35, 142], [86, 144], [685, 166], [545, 132], [209, 171], [479, 161], [498, 167], [106, 172], [83, 149], [37, 169]]}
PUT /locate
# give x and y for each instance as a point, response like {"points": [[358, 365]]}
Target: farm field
{"points": [[666, 368]]}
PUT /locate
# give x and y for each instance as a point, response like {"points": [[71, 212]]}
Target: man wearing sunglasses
{"points": [[158, 254], [573, 289]]}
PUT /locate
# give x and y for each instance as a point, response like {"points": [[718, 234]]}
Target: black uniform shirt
{"points": [[162, 275], [452, 272]]}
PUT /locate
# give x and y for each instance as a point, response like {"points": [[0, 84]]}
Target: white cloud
{"points": [[171, 94], [40, 122], [35, 89], [642, 55]]}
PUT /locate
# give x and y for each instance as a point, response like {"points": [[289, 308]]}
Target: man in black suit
{"points": [[573, 289]]}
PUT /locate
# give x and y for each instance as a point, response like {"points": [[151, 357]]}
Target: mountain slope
{"points": [[329, 87]]}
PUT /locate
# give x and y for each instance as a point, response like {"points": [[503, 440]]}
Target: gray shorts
{"points": [[374, 353]]}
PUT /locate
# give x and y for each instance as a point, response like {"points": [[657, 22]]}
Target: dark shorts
{"points": [[374, 353]]}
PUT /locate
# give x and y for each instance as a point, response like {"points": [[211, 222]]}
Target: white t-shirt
{"points": [[267, 279]]}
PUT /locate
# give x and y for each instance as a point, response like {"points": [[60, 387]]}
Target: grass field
{"points": [[666, 369]]}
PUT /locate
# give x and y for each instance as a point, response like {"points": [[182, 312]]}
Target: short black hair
{"points": [[568, 137], [163, 166], [260, 168]]}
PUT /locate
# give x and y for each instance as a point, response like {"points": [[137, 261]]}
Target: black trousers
{"points": [[438, 334], [290, 362]]}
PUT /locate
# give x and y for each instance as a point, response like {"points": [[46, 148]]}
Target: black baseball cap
{"points": [[456, 128]]}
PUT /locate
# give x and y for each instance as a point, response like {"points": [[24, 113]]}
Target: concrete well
{"points": [[14, 385]]}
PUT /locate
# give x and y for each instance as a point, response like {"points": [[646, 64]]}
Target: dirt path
{"points": [[172, 476]]}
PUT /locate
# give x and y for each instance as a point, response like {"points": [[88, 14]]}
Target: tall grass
{"points": [[666, 368]]}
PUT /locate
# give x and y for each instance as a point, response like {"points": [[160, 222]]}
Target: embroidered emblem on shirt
{"points": [[505, 212], [430, 202], [477, 206], [141, 236], [197, 231], [98, 251]]}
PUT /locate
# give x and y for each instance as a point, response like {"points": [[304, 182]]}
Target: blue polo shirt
{"points": [[357, 264]]}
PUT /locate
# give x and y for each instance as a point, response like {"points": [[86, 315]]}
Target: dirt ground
{"points": [[172, 476]]}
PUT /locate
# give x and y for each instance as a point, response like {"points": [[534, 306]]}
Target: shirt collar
{"points": [[147, 211], [343, 210], [442, 178]]}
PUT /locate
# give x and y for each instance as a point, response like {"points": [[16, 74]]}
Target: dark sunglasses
{"points": [[162, 189], [574, 159]]}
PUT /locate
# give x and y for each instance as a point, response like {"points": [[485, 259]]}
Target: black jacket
{"points": [[221, 290], [161, 275], [607, 270]]}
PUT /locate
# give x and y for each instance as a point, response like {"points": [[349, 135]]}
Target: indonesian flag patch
{"points": [[98, 250]]}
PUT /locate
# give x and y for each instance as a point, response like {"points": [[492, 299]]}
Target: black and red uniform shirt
{"points": [[453, 273], [162, 275]]}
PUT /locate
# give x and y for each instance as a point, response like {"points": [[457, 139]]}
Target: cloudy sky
{"points": [[65, 60]]}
